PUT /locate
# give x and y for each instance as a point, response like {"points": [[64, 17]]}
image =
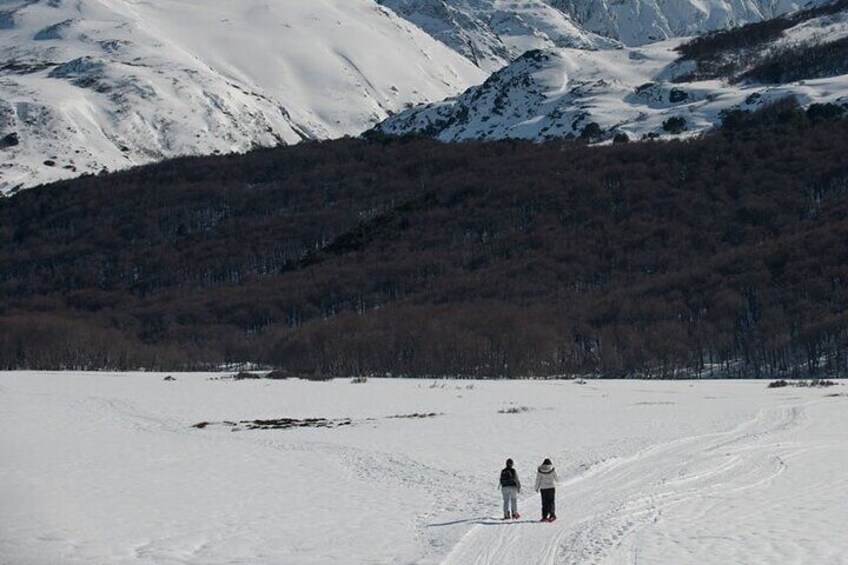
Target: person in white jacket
{"points": [[546, 480]]}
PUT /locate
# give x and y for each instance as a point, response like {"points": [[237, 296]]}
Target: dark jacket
{"points": [[509, 478]]}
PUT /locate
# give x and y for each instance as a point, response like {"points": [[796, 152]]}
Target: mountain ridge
{"points": [[97, 85], [100, 84], [662, 89]]}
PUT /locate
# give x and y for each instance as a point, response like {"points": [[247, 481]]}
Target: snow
{"points": [[97, 84], [107, 468], [638, 22], [492, 33], [556, 93]]}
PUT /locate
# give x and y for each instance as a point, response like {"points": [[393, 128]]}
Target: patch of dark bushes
{"points": [[278, 424], [674, 125], [812, 383], [245, 376], [800, 62], [786, 111]]}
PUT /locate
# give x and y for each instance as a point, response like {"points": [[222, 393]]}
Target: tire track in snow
{"points": [[613, 500]]}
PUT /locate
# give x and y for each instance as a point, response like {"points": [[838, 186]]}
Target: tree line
{"points": [[724, 255]]}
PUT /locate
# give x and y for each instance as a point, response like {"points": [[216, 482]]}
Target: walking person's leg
{"points": [[514, 503], [552, 506], [544, 494], [547, 503], [506, 498]]}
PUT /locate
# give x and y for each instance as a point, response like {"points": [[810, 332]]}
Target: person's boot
{"points": [[516, 515]]}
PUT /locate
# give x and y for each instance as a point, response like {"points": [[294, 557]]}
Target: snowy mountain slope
{"points": [[105, 84], [631, 91], [492, 33], [636, 22]]}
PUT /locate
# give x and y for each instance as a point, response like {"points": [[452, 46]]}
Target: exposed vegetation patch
{"points": [[277, 424], [514, 410], [416, 415], [812, 383], [276, 375], [245, 376]]}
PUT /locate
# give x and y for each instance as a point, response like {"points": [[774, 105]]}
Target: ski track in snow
{"points": [[613, 500]]}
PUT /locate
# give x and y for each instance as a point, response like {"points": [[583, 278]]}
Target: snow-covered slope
{"points": [[492, 33], [87, 85], [636, 22], [631, 91]]}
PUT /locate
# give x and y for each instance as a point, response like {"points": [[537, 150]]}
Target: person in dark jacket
{"points": [[510, 487], [546, 480]]}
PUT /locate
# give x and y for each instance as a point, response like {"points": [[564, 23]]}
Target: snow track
{"points": [[607, 506]]}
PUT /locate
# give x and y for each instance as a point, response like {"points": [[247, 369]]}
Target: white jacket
{"points": [[546, 477]]}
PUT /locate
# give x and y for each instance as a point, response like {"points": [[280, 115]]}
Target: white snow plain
{"points": [[107, 468]]}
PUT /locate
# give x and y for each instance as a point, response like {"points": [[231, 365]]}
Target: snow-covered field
{"points": [[107, 468]]}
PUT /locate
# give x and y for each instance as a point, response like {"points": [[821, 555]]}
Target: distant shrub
{"points": [[277, 375], [317, 377], [514, 410], [814, 383], [244, 375], [591, 132], [825, 112], [781, 112], [358, 380], [675, 125], [621, 137], [819, 383]]}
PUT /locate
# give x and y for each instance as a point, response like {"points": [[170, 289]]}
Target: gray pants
{"points": [[510, 496]]}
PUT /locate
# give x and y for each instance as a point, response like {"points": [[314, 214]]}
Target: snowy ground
{"points": [[107, 468]]}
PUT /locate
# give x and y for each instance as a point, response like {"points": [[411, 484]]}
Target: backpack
{"points": [[508, 477]]}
